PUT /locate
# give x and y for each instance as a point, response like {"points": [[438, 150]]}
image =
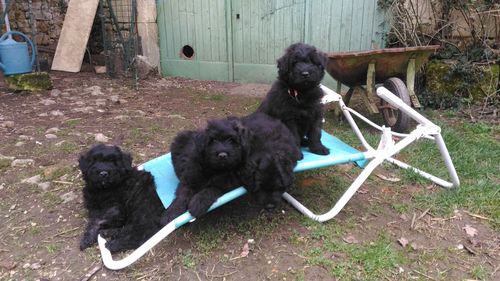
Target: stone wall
{"points": [[48, 16]]}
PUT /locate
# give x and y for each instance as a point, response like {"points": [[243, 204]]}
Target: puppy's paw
{"points": [[319, 149], [109, 233], [166, 217], [85, 243], [114, 246], [198, 209]]}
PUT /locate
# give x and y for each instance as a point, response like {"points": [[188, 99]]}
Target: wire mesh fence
{"points": [[119, 34]]}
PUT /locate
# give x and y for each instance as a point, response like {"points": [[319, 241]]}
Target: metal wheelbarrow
{"points": [[383, 66]]}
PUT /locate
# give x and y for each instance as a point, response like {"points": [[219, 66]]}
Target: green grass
{"points": [[188, 259], [52, 248], [72, 123], [69, 147], [366, 261], [215, 97], [475, 154], [478, 272]]}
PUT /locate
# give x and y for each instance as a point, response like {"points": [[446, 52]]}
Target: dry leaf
{"points": [[388, 178], [471, 231], [403, 241], [246, 251], [350, 239], [362, 191]]}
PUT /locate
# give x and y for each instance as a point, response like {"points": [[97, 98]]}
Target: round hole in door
{"points": [[187, 51]]}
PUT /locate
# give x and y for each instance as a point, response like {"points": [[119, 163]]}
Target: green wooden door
{"points": [[193, 39], [240, 40], [261, 30]]}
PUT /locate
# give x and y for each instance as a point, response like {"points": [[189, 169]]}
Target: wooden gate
{"points": [[240, 40]]}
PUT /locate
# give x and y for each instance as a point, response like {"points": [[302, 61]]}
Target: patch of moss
{"points": [[447, 79], [38, 81], [4, 163]]}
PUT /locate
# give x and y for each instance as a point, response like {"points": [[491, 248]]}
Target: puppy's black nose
{"points": [[222, 155], [103, 174], [305, 73]]}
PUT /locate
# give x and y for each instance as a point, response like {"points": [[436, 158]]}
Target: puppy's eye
{"points": [[231, 140]]}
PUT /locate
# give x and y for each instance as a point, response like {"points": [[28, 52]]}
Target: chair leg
{"points": [[343, 199]]}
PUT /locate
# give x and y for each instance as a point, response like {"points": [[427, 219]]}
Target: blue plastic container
{"points": [[14, 56]]}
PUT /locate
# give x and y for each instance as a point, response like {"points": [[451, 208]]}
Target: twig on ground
{"points": [[198, 276], [91, 273], [478, 216], [64, 232], [413, 221], [222, 275], [423, 274], [423, 213], [64, 182]]}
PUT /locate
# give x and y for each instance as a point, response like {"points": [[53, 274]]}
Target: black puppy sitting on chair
{"points": [[295, 98], [122, 202]]}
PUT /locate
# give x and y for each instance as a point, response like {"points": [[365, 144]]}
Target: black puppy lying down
{"points": [[256, 151], [207, 163], [273, 154], [121, 201]]}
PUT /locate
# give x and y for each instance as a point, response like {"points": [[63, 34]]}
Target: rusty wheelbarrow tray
{"points": [[382, 66]]}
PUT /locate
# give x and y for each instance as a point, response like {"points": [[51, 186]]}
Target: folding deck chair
{"points": [[340, 153]]}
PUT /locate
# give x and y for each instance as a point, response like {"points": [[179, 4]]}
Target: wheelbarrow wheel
{"points": [[393, 117]]}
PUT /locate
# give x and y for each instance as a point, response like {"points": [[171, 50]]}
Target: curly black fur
{"points": [[206, 162], [295, 98], [268, 170], [122, 202]]}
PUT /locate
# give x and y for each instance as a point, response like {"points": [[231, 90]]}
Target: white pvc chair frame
{"points": [[384, 152]]}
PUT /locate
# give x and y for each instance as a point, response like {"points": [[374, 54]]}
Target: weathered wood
{"points": [[410, 83], [74, 35], [369, 94], [148, 30]]}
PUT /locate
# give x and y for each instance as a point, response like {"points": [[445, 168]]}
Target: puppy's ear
{"points": [[83, 162], [320, 58], [283, 66], [201, 141], [244, 134], [126, 160]]}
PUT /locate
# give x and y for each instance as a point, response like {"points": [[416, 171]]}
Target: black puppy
{"points": [[207, 163], [295, 98], [122, 202], [273, 154]]}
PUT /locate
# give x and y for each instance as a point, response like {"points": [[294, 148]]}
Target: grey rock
{"points": [[55, 93], [44, 185], [33, 180], [69, 196], [48, 102], [22, 162], [52, 130], [56, 113], [101, 138]]}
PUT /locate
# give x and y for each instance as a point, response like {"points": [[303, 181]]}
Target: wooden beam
{"points": [[74, 35]]}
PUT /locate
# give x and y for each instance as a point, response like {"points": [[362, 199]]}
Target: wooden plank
{"points": [[148, 30], [74, 35]]}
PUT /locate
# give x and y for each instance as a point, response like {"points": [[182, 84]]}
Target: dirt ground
{"points": [[42, 216]]}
